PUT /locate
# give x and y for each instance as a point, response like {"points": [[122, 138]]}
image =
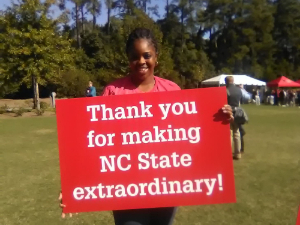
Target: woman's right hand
{"points": [[61, 205]]}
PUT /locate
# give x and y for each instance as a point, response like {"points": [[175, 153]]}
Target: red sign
{"points": [[145, 150]]}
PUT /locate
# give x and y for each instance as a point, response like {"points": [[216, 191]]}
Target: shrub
{"points": [[39, 112], [4, 107], [20, 111], [44, 105], [29, 103], [73, 84]]}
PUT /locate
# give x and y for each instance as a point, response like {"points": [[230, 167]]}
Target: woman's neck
{"points": [[144, 85]]}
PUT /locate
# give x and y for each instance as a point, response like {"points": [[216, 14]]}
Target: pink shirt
{"points": [[124, 86]]}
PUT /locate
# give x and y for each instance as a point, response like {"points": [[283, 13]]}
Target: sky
{"points": [[102, 19]]}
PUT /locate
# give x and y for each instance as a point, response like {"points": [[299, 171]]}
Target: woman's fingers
{"points": [[62, 205], [228, 110]]}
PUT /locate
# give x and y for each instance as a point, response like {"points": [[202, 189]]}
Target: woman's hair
{"points": [[140, 33]]}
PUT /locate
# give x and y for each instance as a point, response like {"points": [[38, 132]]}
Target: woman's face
{"points": [[142, 59]]}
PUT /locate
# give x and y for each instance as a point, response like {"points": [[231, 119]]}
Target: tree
{"points": [[287, 36], [125, 7], [240, 35], [33, 52], [94, 7], [185, 11], [109, 5], [142, 4], [73, 84], [76, 16]]}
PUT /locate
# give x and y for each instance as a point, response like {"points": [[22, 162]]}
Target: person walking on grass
{"points": [[234, 98], [257, 97], [142, 53], [245, 98]]}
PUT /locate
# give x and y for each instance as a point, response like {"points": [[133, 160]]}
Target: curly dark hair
{"points": [[140, 33]]}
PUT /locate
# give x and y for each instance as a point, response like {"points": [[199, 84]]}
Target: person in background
{"points": [[245, 98], [286, 99], [245, 95], [276, 97], [257, 96], [253, 95], [272, 97], [281, 97], [91, 90], [234, 98], [291, 96]]}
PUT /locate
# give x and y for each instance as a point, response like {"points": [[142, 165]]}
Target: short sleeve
{"points": [[176, 88], [172, 86], [107, 91], [166, 85]]}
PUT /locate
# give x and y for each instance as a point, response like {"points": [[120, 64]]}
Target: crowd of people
{"points": [[277, 97], [284, 97]]}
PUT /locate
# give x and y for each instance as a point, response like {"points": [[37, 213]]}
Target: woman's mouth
{"points": [[143, 70]]}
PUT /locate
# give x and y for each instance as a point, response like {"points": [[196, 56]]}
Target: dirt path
{"points": [[27, 114], [25, 103]]}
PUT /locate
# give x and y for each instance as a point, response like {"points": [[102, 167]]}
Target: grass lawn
{"points": [[267, 178]]}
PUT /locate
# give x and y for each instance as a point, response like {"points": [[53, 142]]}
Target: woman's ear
{"points": [[156, 57]]}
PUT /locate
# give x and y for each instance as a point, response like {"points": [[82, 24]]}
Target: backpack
{"points": [[239, 114]]}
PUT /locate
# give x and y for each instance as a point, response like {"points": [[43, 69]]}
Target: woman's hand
{"points": [[228, 110], [61, 205]]}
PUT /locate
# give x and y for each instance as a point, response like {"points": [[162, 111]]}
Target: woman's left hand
{"points": [[228, 110]]}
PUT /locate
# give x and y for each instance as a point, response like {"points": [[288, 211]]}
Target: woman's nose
{"points": [[142, 60]]}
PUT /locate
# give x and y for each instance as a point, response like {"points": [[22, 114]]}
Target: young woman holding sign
{"points": [[142, 52]]}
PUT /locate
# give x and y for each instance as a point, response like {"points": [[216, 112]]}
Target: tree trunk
{"points": [[108, 18], [82, 18], [129, 6], [77, 25], [36, 99], [37, 95], [34, 93], [94, 15], [167, 9], [182, 27], [145, 5]]}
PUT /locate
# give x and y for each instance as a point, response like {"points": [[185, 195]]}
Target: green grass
{"points": [[267, 178]]}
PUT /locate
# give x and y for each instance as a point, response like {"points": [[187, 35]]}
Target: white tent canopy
{"points": [[238, 79]]}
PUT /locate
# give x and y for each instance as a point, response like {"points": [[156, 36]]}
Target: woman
{"points": [[142, 52]]}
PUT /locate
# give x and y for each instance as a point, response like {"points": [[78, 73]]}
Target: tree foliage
{"points": [[197, 40], [32, 50]]}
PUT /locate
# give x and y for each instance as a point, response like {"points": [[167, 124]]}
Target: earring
{"points": [[156, 62]]}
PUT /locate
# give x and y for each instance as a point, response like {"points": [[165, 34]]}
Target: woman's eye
{"points": [[147, 55], [137, 57]]}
